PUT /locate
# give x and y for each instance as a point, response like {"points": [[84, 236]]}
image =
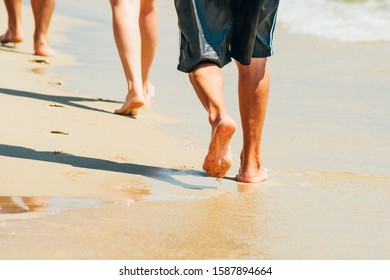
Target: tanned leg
{"points": [[253, 90], [148, 24], [208, 83], [125, 21], [14, 33], [43, 11]]}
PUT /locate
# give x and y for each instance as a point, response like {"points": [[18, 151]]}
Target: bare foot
{"points": [[219, 160], [254, 175], [7, 37], [43, 49], [130, 106], [149, 93]]}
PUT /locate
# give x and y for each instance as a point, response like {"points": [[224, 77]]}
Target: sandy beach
{"points": [[79, 182]]}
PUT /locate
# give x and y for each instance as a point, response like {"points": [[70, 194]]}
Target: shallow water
{"points": [[319, 221], [24, 204]]}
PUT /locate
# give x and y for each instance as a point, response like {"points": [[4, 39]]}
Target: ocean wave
{"points": [[342, 20]]}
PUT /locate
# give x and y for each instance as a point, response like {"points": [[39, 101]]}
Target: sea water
{"points": [[342, 20]]}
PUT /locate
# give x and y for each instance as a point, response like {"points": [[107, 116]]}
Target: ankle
{"points": [[134, 90], [135, 96], [216, 118], [41, 38], [251, 162], [15, 26]]}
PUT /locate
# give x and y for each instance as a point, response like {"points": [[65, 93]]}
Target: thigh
{"points": [[148, 6]]}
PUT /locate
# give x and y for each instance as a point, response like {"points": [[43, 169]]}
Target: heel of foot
{"points": [[253, 177]]}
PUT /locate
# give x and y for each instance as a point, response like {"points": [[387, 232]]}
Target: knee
{"points": [[122, 2], [257, 68], [115, 2], [193, 75], [197, 75], [207, 71], [148, 7]]}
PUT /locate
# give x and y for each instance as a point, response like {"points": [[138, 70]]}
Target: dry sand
{"points": [[78, 182]]}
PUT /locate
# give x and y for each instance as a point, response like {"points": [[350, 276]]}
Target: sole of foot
{"points": [[219, 160]]}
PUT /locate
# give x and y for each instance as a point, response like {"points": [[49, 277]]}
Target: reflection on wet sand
{"points": [[227, 226], [16, 205], [39, 71], [248, 188], [9, 204]]}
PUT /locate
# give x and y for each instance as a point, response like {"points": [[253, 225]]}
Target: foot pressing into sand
{"points": [[131, 105], [251, 173], [43, 49], [10, 37], [149, 92]]}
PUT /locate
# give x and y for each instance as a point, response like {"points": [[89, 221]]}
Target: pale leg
{"points": [[43, 11], [253, 89], [125, 15], [208, 83], [148, 24]]}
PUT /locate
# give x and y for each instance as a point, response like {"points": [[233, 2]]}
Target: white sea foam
{"points": [[342, 20]]}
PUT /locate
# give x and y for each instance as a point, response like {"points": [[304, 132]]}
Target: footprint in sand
{"points": [[132, 192], [120, 158], [41, 61], [72, 175], [182, 168], [56, 82], [59, 132], [57, 105]]}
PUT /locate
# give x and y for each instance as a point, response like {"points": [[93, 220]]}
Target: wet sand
{"points": [[78, 182]]}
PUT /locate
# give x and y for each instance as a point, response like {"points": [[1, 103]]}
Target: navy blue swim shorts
{"points": [[218, 30]]}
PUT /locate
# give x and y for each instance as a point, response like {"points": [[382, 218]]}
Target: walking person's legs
{"points": [[208, 82], [14, 33], [125, 22], [148, 24], [43, 11]]}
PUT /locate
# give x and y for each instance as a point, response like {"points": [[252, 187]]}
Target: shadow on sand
{"points": [[64, 100], [159, 173], [9, 47]]}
